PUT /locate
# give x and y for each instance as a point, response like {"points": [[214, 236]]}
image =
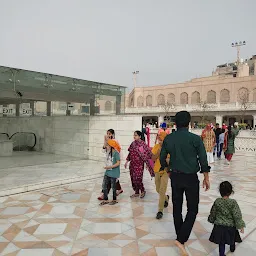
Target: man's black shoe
{"points": [[159, 215]]}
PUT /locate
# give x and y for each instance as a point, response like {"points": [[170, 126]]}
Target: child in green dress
{"points": [[227, 219]]}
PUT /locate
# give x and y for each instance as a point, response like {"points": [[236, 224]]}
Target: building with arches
{"points": [[222, 97]]}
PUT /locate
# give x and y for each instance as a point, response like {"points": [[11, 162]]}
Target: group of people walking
{"points": [[216, 140], [179, 156]]}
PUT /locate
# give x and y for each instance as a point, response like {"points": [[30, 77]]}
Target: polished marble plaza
{"points": [[68, 220]]}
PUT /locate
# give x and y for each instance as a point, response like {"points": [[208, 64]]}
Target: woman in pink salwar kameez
{"points": [[139, 155]]}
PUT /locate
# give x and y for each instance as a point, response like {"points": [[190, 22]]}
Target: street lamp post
{"points": [[238, 45], [135, 73]]}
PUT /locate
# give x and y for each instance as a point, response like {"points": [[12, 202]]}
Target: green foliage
{"points": [[242, 126]]}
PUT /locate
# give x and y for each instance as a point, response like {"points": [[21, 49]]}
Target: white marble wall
{"points": [[37, 125], [77, 136], [124, 127], [59, 135]]}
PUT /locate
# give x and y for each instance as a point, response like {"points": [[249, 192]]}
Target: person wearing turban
{"points": [[111, 135], [112, 168]]}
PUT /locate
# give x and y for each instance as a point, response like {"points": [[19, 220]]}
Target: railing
{"points": [[4, 136], [22, 141], [245, 141], [231, 106]]}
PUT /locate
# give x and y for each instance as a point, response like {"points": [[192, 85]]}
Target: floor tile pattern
{"points": [[68, 220]]}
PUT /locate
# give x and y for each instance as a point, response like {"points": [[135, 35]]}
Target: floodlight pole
{"points": [[135, 73], [238, 45]]}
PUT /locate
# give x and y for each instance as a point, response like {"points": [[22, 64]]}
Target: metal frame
{"points": [[30, 85]]}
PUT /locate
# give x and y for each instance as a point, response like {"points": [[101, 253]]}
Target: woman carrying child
{"points": [[227, 219], [112, 171]]}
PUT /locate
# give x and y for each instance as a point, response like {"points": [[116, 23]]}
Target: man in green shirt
{"points": [[187, 158]]}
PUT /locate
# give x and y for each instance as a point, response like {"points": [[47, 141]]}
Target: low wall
{"points": [[77, 136], [245, 141], [124, 127]]}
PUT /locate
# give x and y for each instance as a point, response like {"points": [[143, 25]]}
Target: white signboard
{"points": [[26, 112], [8, 111], [71, 107]]}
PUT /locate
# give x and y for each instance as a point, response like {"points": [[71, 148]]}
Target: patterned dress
{"points": [[139, 155], [208, 137]]}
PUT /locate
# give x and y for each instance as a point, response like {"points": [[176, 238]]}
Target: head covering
{"points": [[162, 135], [164, 125], [236, 123], [208, 127], [114, 144]]}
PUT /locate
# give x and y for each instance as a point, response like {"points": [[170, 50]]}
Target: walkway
{"points": [[68, 221]]}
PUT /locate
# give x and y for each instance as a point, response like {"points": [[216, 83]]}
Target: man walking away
{"points": [[187, 158], [217, 132]]}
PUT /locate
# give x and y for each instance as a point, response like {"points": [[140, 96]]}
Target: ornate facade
{"points": [[220, 97]]}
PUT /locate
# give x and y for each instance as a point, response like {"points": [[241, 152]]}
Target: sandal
{"points": [[100, 198], [113, 202], [142, 195], [119, 192], [134, 195], [104, 202]]}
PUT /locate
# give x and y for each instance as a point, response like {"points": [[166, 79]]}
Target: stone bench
{"points": [[6, 148]]}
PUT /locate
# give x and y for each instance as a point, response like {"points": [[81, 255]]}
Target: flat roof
{"points": [[35, 85]]}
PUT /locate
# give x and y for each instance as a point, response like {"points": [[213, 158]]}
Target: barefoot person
{"points": [[227, 219], [208, 137], [229, 144], [139, 155], [161, 177], [187, 158]]}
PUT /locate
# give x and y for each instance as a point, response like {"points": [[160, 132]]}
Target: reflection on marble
{"points": [[68, 220]]}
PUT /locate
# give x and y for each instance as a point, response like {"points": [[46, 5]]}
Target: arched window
{"points": [[243, 95], [195, 99], [149, 101], [131, 102], [224, 95], [140, 101], [184, 98], [108, 105], [171, 98], [160, 100], [254, 94], [211, 97]]}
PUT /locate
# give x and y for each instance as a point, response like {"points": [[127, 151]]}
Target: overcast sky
{"points": [[105, 40]]}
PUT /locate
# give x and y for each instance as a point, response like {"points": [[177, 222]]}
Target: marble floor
{"points": [[39, 170], [68, 220], [25, 158]]}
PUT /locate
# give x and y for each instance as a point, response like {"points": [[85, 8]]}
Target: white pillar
{"points": [[254, 120], [160, 119], [219, 119]]}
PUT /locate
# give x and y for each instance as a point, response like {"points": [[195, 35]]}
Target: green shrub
{"points": [[242, 126]]}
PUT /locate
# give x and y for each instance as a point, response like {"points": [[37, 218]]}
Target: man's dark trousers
{"points": [[189, 184]]}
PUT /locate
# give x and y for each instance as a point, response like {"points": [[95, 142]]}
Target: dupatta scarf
{"points": [[140, 147]]}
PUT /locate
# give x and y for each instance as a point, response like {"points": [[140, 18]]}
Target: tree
{"points": [[204, 110], [243, 97], [167, 107]]}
